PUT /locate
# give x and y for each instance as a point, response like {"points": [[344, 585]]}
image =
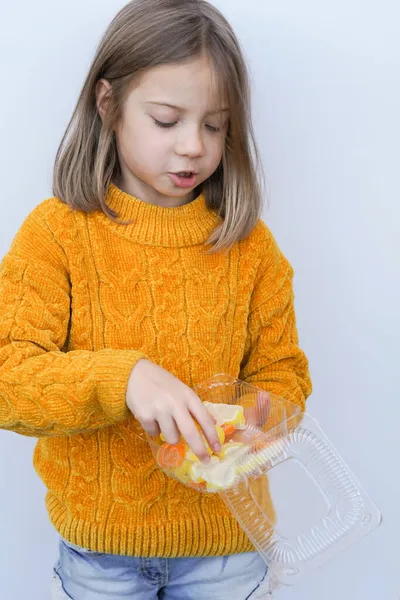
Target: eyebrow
{"points": [[213, 112]]}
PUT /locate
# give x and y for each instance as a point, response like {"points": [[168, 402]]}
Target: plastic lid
{"points": [[318, 507]]}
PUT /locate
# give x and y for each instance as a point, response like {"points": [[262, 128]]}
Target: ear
{"points": [[103, 89]]}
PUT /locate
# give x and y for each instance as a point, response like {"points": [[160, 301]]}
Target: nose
{"points": [[190, 142]]}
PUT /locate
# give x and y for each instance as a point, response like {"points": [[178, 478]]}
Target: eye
{"points": [[213, 129], [164, 125]]}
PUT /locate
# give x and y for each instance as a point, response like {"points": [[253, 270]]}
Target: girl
{"points": [[146, 273]]}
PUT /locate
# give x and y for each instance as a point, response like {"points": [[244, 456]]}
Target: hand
{"points": [[162, 403]]}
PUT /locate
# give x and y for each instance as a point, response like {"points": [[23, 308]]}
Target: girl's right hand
{"points": [[162, 403]]}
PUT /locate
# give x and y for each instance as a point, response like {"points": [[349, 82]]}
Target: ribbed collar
{"points": [[154, 225]]}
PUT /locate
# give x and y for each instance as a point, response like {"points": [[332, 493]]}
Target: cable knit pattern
{"points": [[82, 299]]}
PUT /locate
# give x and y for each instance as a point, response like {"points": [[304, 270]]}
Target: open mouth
{"points": [[184, 179], [186, 174]]}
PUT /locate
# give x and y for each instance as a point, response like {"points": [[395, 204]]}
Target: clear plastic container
{"points": [[280, 476]]}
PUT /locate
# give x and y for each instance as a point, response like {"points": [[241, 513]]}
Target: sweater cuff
{"points": [[112, 371]]}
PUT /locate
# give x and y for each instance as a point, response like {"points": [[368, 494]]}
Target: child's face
{"points": [[173, 122]]}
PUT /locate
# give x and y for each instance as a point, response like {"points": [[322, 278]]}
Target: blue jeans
{"points": [[84, 575]]}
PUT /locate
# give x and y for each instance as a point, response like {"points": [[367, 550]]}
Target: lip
{"points": [[184, 182]]}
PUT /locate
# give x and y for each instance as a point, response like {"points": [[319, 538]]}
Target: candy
{"points": [[218, 473], [170, 456], [227, 414]]}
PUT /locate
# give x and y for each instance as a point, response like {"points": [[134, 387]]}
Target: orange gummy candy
{"points": [[197, 486], [171, 456], [229, 430]]}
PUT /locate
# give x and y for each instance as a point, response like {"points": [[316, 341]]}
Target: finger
{"points": [[249, 403], [169, 428], [263, 406], [150, 426], [206, 422], [191, 434]]}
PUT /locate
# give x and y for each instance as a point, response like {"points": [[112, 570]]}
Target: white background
{"points": [[326, 111]]}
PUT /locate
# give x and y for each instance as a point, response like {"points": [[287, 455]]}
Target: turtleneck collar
{"points": [[155, 225]]}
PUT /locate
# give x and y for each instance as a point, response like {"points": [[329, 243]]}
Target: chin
{"points": [[175, 192]]}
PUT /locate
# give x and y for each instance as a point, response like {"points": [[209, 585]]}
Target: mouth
{"points": [[185, 173], [184, 179]]}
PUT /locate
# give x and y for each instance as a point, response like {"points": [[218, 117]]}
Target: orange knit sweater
{"points": [[82, 299]]}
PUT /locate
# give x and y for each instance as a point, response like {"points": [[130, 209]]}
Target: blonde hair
{"points": [[145, 34]]}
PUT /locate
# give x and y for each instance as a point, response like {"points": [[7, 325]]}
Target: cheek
{"points": [[214, 152], [143, 147]]}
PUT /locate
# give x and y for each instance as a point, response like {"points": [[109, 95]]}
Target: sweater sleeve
{"points": [[45, 391], [272, 359]]}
